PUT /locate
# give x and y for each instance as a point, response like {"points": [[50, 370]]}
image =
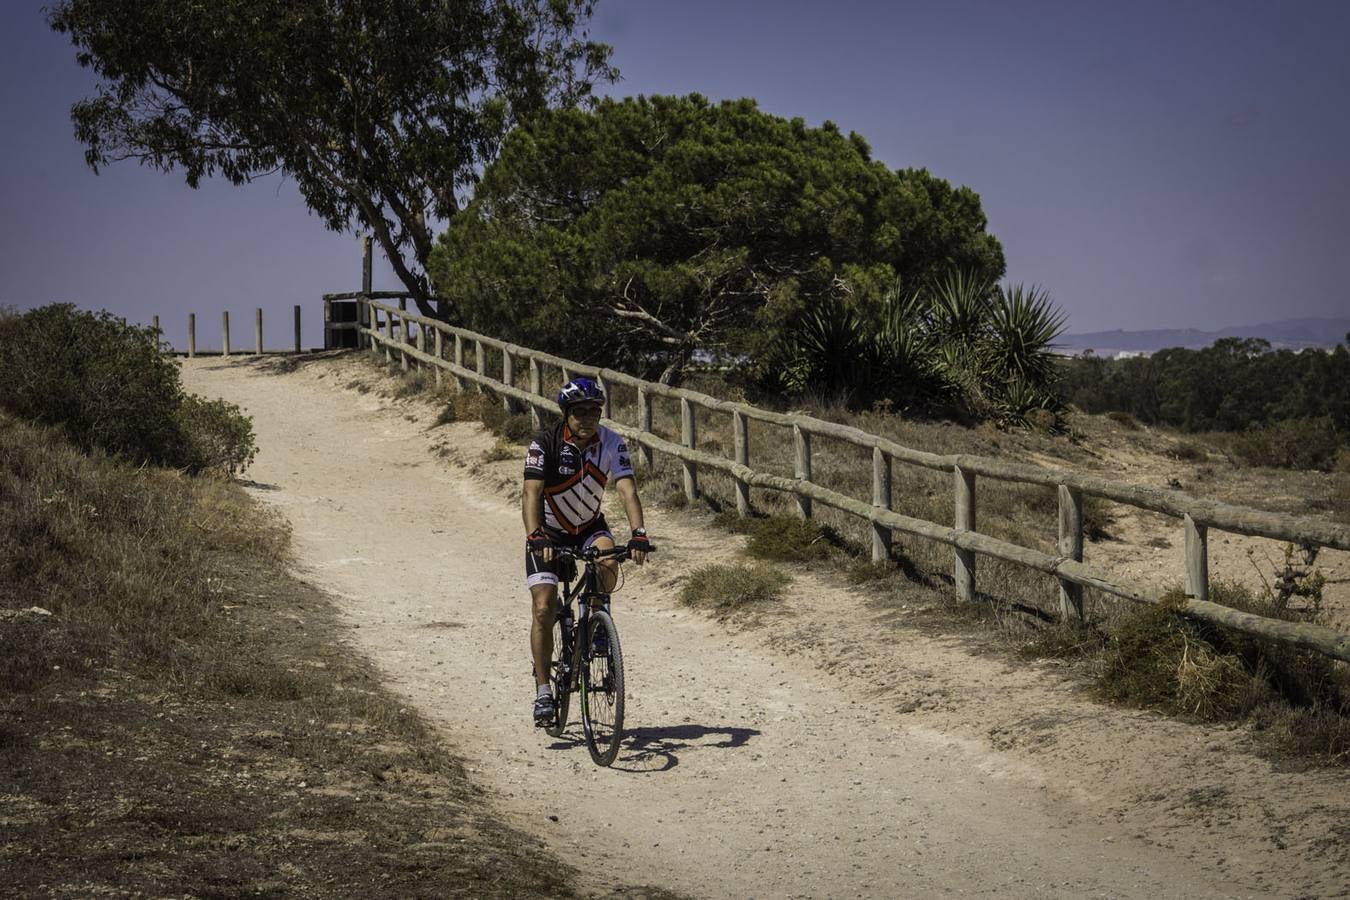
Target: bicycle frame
{"points": [[582, 589]]}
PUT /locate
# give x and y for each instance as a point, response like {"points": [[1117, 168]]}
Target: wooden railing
{"points": [[413, 339]]}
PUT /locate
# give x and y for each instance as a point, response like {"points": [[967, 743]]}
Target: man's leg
{"points": [[544, 599], [607, 569]]}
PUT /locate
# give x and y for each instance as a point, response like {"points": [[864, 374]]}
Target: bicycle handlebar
{"points": [[591, 554]]}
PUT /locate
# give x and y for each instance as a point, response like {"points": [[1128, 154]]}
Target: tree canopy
{"points": [[646, 229], [383, 111]]}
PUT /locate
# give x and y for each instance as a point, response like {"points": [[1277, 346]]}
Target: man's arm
{"points": [[632, 507], [531, 510]]}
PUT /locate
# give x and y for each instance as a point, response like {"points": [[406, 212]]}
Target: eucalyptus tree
{"points": [[383, 111], [650, 228]]}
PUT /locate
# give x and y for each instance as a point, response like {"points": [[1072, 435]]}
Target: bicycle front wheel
{"points": [[560, 668], [602, 690]]}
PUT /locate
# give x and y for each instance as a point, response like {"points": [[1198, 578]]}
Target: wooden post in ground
{"points": [[741, 439], [536, 388], [509, 379], [607, 408], [689, 437], [459, 361], [192, 335], [367, 264], [389, 336], [297, 328], [257, 332], [440, 355], [881, 498], [963, 575], [403, 333], [479, 363], [802, 440], [1071, 547], [645, 426], [225, 327], [1197, 559]]}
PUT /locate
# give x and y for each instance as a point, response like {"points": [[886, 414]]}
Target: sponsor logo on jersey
{"points": [[566, 470]]}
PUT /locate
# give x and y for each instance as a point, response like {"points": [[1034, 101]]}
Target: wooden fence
{"points": [[389, 329], [225, 347]]}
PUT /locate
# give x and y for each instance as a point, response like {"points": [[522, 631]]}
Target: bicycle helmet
{"points": [[579, 390]]}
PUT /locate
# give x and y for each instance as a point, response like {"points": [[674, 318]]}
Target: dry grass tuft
{"points": [[726, 590]]}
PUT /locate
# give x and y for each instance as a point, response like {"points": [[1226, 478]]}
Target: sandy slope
{"points": [[762, 762]]}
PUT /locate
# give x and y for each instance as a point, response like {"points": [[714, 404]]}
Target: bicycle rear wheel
{"points": [[558, 674], [602, 690]]}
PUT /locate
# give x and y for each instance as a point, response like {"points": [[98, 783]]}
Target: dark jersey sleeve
{"points": [[536, 457]]}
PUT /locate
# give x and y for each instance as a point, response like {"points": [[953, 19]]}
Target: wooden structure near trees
{"points": [[387, 329]]}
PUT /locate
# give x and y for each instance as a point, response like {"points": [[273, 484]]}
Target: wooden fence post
{"points": [[297, 328], [440, 354], [607, 408], [1197, 559], [1070, 546], [509, 379], [403, 333], [881, 497], [802, 440], [741, 439], [389, 336], [257, 332], [645, 426], [366, 264], [689, 437], [536, 388], [963, 575], [225, 328], [459, 361], [192, 335], [420, 342], [479, 363]]}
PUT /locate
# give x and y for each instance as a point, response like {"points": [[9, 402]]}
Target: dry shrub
{"points": [[1124, 419], [1155, 657], [729, 589]]}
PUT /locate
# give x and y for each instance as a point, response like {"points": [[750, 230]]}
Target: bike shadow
{"points": [[657, 749]]}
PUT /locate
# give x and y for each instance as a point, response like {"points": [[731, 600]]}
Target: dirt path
{"points": [[861, 759]]}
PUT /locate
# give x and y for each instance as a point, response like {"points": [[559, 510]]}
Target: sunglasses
{"points": [[588, 411]]}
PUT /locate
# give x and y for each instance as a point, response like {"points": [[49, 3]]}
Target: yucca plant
{"points": [[1023, 325], [958, 313]]}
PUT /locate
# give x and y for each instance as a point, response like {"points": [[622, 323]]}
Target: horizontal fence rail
{"points": [[405, 335]]}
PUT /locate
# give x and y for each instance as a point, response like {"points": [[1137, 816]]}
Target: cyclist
{"points": [[567, 468]]}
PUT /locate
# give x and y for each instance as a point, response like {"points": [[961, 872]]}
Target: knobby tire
{"points": [[562, 697], [602, 692]]}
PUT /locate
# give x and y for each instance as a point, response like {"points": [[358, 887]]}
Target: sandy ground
{"points": [[831, 751]]}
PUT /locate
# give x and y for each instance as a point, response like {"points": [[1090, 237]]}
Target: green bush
{"points": [[219, 435], [1291, 444], [109, 386]]}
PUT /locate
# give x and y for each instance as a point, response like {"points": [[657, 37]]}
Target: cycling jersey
{"points": [[575, 477]]}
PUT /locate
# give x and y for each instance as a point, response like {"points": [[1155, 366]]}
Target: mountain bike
{"points": [[587, 659]]}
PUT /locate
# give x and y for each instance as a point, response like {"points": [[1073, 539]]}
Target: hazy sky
{"points": [[1179, 164]]}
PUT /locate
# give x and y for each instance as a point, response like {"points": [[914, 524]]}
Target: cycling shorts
{"points": [[539, 572]]}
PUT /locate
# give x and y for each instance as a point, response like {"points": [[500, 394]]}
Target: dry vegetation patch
{"points": [[180, 716]]}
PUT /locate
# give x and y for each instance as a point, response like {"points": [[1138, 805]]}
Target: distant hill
{"points": [[1293, 334]]}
